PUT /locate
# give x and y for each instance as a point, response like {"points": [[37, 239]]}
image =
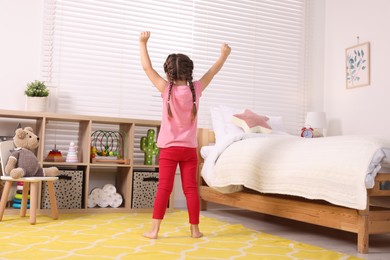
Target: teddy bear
{"points": [[23, 162]]}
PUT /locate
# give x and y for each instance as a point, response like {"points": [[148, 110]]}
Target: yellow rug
{"points": [[118, 236]]}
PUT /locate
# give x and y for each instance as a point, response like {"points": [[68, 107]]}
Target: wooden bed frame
{"points": [[372, 220]]}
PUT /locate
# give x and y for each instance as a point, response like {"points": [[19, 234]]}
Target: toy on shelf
{"points": [[71, 157], [104, 197], [17, 201], [55, 155], [23, 162], [149, 147], [108, 147]]}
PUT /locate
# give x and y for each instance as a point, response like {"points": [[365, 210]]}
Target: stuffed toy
{"points": [[149, 146], [22, 161]]}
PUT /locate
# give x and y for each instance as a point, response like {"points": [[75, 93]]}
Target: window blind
{"points": [[266, 68], [91, 54]]}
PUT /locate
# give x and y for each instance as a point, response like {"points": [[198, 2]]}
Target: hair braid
{"points": [[169, 94], [194, 109]]}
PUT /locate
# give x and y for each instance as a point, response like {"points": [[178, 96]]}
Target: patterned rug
{"points": [[118, 236]]}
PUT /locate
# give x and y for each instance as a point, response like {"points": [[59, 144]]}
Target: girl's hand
{"points": [[225, 50], [144, 37]]}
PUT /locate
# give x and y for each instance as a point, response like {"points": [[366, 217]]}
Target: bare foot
{"points": [[195, 233], [153, 233]]}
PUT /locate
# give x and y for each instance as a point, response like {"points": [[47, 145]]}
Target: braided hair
{"points": [[180, 67]]}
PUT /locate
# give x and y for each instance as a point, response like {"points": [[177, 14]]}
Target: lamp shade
{"points": [[316, 119]]}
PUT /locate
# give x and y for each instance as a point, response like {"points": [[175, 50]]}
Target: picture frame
{"points": [[357, 61]]}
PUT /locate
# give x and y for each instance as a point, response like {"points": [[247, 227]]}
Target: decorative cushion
{"points": [[104, 197], [223, 127], [252, 122]]}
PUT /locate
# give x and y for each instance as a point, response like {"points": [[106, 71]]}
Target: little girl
{"points": [[177, 138]]}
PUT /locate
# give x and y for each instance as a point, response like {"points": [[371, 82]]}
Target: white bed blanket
{"points": [[337, 169]]}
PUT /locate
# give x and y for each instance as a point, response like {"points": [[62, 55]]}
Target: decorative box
{"points": [[144, 189], [69, 190]]}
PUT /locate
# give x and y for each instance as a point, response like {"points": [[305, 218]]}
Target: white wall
{"points": [[20, 49], [315, 63], [360, 110]]}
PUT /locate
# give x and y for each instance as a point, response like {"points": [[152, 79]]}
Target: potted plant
{"points": [[36, 89], [37, 94]]}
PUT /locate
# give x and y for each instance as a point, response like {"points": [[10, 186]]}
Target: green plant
{"points": [[36, 89]]}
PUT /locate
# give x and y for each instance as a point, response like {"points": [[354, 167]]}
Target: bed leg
{"points": [[363, 231], [203, 204]]}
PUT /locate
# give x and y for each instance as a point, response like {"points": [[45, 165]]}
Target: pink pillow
{"points": [[252, 122]]}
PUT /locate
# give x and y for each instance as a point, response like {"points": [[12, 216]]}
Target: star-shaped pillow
{"points": [[252, 122]]}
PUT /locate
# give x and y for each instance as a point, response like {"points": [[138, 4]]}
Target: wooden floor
{"points": [[328, 238]]}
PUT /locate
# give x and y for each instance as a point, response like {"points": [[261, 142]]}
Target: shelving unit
{"points": [[84, 126]]}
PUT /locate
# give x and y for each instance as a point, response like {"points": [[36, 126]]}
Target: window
{"points": [[91, 54]]}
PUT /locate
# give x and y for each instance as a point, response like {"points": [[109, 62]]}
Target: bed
{"points": [[355, 197]]}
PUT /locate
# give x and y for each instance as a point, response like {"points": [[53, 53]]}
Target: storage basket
{"points": [[69, 190], [144, 189]]}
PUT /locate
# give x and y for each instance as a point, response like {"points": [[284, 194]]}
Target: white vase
{"points": [[38, 104]]}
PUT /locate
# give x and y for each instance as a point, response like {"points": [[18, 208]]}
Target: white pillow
{"points": [[221, 117], [277, 124], [221, 121]]}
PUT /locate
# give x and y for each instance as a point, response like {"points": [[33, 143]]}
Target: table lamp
{"points": [[317, 121]]}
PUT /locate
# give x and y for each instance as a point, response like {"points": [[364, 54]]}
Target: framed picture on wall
{"points": [[357, 60]]}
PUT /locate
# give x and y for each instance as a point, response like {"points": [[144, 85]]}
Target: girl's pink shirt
{"points": [[180, 129]]}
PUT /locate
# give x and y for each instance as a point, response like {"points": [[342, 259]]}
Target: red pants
{"points": [[187, 159]]}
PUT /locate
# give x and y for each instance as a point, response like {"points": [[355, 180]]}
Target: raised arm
{"points": [[209, 75], [158, 81]]}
